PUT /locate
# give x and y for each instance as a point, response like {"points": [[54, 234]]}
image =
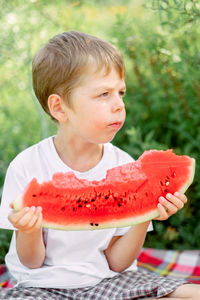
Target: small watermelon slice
{"points": [[127, 196]]}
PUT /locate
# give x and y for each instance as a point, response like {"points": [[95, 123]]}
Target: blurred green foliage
{"points": [[159, 41]]}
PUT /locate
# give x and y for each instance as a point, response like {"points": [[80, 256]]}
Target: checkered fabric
{"points": [[160, 271], [5, 278], [180, 264], [127, 285]]}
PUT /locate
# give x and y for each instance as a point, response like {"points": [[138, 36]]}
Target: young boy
{"points": [[79, 81]]}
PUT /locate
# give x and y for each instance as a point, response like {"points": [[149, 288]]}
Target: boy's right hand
{"points": [[28, 220]]}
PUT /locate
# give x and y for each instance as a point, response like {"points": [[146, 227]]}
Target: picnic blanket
{"points": [[5, 278], [174, 263]]}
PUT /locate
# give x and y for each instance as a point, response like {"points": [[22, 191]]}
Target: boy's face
{"points": [[98, 110]]}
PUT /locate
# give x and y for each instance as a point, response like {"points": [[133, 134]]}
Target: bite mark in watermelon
{"points": [[127, 196]]}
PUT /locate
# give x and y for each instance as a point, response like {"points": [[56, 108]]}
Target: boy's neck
{"points": [[77, 156]]}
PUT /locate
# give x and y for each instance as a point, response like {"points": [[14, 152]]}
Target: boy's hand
{"points": [[170, 205], [28, 220]]}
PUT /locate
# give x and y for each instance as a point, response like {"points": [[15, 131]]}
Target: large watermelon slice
{"points": [[128, 195]]}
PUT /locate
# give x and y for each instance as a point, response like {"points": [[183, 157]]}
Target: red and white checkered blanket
{"points": [[182, 264], [174, 263], [5, 278]]}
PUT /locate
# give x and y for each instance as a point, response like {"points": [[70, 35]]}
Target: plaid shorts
{"points": [[125, 286]]}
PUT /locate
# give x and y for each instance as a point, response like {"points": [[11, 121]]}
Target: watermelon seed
{"points": [[91, 224], [63, 208], [96, 224], [80, 205], [167, 183], [106, 197], [86, 202], [119, 204], [115, 198], [93, 200], [173, 174], [33, 195], [74, 208], [161, 183], [79, 200], [166, 191]]}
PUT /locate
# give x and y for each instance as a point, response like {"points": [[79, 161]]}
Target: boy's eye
{"points": [[122, 93], [105, 94]]}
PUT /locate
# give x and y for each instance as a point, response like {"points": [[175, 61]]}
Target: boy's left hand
{"points": [[170, 205]]}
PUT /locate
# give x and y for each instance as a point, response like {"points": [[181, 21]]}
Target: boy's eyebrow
{"points": [[106, 87]]}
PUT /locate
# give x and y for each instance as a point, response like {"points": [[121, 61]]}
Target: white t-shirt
{"points": [[74, 259]]}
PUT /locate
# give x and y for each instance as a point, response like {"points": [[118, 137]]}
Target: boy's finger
{"points": [[170, 207], [175, 201], [163, 215], [31, 222], [36, 226], [27, 217], [14, 217], [35, 217], [181, 196]]}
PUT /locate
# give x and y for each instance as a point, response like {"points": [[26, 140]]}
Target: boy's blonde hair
{"points": [[61, 64]]}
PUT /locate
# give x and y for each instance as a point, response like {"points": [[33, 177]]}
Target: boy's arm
{"points": [[123, 250], [29, 238]]}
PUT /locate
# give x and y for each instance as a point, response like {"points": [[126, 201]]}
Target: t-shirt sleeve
{"points": [[14, 185]]}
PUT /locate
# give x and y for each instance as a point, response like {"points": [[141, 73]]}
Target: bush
{"points": [[163, 102], [5, 236], [161, 50]]}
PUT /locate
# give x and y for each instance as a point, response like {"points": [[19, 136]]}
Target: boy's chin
{"points": [[107, 140], [103, 139]]}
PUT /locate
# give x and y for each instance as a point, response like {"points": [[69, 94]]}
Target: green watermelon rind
{"points": [[17, 204], [184, 188], [106, 225]]}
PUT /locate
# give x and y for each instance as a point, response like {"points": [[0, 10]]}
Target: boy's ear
{"points": [[57, 108]]}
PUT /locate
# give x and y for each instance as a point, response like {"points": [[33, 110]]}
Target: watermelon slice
{"points": [[127, 196]]}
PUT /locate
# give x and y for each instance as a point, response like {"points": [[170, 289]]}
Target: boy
{"points": [[79, 81]]}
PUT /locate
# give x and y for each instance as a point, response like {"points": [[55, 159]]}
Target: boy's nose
{"points": [[118, 103]]}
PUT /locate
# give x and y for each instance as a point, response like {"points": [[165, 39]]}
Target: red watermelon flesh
{"points": [[127, 196]]}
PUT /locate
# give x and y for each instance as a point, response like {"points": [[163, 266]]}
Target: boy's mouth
{"points": [[115, 125]]}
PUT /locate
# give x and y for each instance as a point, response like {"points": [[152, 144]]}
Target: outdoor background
{"points": [[161, 47]]}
